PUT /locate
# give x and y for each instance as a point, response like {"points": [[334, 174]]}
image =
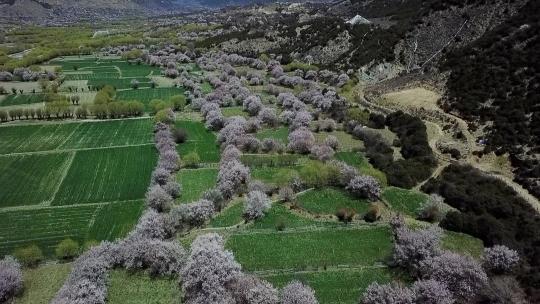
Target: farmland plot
{"points": [[139, 288], [106, 175], [335, 287], [47, 226], [311, 248], [16, 100], [196, 182], [111, 133], [32, 138], [199, 140], [41, 284], [31, 179], [148, 94], [122, 83], [329, 200]]}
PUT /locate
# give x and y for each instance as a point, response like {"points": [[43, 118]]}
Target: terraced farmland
{"points": [[106, 175], [199, 140]]}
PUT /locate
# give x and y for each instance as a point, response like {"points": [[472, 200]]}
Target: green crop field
{"points": [[147, 95], [463, 244], [346, 140], [196, 182], [274, 175], [355, 159], [30, 179], [271, 160], [408, 202], [62, 136], [338, 286], [111, 133], [329, 200], [50, 225], [115, 220], [318, 248], [121, 83], [139, 288], [106, 175], [15, 100]]}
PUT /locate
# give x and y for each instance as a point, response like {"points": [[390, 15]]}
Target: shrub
{"points": [[345, 215], [373, 214], [365, 186], [67, 249], [388, 294], [191, 160], [286, 194], [29, 256], [298, 293], [500, 259], [11, 279], [180, 135], [257, 203], [178, 102], [433, 210], [164, 116]]}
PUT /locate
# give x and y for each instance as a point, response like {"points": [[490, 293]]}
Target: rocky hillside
{"points": [[61, 11]]}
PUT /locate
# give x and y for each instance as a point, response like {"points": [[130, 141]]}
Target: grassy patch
{"points": [[335, 287], [281, 215], [106, 175], [230, 216], [270, 160], [121, 83], [329, 200], [346, 141], [139, 288], [196, 182], [234, 111], [404, 201], [300, 250], [354, 159], [274, 175], [280, 134], [30, 179], [463, 244], [42, 283], [199, 140]]}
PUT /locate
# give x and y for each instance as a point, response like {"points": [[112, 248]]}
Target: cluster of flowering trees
{"points": [[443, 277], [11, 279], [233, 176]]}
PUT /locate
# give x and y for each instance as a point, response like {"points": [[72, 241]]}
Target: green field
{"points": [[106, 175], [196, 182], [199, 140], [120, 83], [405, 201], [346, 140], [139, 288], [338, 286], [463, 244], [329, 200], [281, 134], [111, 133], [146, 95], [318, 248], [274, 175], [280, 215], [41, 284], [15, 100], [50, 225], [230, 216], [62, 136], [30, 179]]}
